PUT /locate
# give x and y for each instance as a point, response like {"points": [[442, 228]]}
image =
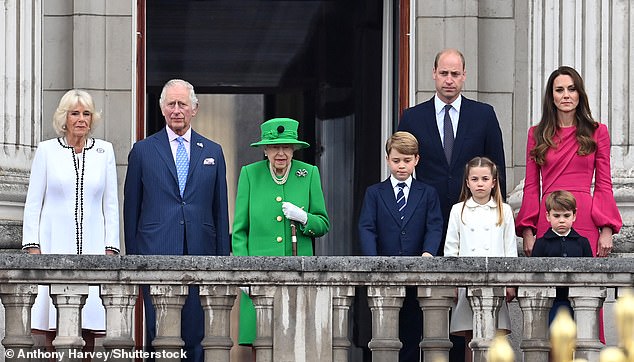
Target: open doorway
{"points": [[315, 61]]}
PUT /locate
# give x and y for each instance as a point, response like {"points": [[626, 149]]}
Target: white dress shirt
{"points": [[454, 113], [395, 182], [172, 136]]}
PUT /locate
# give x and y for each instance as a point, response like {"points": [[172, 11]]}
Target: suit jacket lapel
{"points": [[464, 125], [165, 152], [389, 199], [195, 152], [415, 194], [432, 126]]}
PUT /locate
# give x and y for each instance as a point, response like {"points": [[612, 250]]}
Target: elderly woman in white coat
{"points": [[71, 205]]}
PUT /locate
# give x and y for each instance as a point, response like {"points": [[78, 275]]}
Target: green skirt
{"points": [[247, 330]]}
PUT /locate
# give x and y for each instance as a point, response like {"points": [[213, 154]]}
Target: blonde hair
{"points": [[71, 99], [403, 142], [465, 193]]}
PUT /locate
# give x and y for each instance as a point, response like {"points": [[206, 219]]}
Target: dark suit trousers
{"points": [[192, 323], [410, 327]]}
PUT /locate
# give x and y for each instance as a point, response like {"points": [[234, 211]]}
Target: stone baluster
{"points": [[586, 302], [69, 301], [263, 297], [17, 300], [385, 304], [341, 301], [485, 303], [118, 300], [535, 303], [436, 303], [168, 302], [217, 301]]}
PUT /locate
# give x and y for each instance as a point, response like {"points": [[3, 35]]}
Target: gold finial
{"points": [[624, 311], [612, 354], [563, 336], [500, 350]]}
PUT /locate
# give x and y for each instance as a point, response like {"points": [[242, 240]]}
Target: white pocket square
{"points": [[209, 161]]}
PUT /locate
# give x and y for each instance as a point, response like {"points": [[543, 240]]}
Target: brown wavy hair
{"points": [[547, 127]]}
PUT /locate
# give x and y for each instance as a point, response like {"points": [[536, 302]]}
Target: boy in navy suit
{"points": [[401, 217], [561, 240]]}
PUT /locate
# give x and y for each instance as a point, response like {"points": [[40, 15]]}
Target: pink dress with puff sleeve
{"points": [[564, 169]]}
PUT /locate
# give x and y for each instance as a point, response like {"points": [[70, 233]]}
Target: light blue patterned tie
{"points": [[182, 164], [400, 198]]}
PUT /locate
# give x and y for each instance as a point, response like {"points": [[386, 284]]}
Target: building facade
{"points": [[106, 47]]}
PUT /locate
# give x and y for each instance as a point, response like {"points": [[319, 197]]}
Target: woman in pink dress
{"points": [[566, 149]]}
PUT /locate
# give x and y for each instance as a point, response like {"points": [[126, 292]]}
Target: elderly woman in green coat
{"points": [[274, 195]]}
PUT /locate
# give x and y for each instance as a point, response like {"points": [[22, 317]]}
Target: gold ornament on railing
{"points": [[563, 337], [612, 354], [624, 311], [500, 350]]}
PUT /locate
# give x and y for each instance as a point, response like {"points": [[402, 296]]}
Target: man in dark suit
{"points": [[175, 201], [401, 217], [472, 129], [474, 124]]}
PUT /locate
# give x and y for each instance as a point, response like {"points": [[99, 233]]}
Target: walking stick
{"points": [[294, 237]]}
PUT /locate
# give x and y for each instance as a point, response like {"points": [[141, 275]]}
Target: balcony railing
{"points": [[327, 286]]}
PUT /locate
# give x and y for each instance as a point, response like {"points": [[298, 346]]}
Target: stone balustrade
{"points": [[325, 284]]}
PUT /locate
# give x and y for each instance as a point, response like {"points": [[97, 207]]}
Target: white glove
{"points": [[293, 212]]}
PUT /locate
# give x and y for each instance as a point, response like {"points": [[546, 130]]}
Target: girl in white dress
{"points": [[480, 225], [71, 205]]}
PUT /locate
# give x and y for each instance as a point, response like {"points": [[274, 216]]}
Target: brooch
{"points": [[301, 172]]}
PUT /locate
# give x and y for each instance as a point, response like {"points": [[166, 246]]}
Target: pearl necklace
{"points": [[279, 181], [79, 190]]}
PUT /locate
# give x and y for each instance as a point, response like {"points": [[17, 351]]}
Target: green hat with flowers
{"points": [[280, 131]]}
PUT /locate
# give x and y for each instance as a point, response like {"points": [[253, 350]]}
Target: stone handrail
{"points": [[385, 278]]}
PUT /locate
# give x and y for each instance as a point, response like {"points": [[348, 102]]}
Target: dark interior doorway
{"points": [[316, 61]]}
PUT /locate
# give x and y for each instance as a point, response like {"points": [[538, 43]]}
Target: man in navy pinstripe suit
{"points": [[160, 219]]}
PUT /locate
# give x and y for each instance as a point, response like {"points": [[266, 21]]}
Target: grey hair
{"points": [[173, 82]]}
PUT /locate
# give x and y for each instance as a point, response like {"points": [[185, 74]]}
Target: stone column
{"points": [[588, 35], [20, 110], [436, 303], [118, 300], [535, 303], [17, 300], [69, 301], [341, 301], [263, 297], [168, 302], [217, 301], [385, 304], [586, 301], [485, 303]]}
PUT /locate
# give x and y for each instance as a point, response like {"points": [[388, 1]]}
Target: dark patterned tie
{"points": [[400, 198], [448, 134]]}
